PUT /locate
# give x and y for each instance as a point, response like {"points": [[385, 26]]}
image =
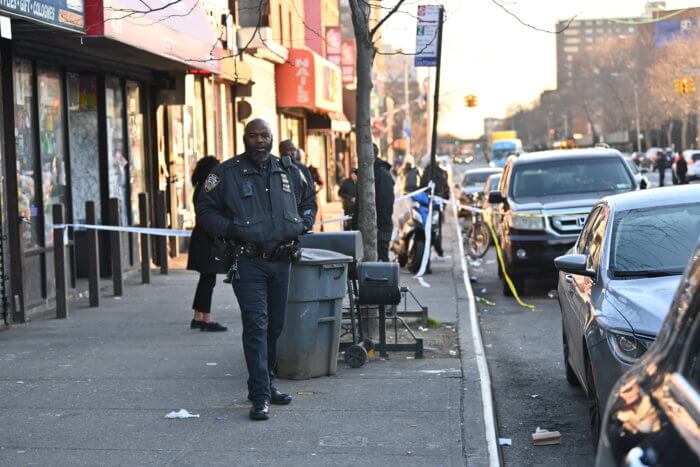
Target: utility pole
{"points": [[436, 99], [407, 107]]}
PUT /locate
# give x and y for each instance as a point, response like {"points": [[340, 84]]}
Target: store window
{"points": [[28, 177], [82, 127], [53, 158], [116, 160], [137, 165]]}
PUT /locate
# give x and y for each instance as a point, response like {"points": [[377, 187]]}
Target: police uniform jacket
{"points": [[264, 205]]}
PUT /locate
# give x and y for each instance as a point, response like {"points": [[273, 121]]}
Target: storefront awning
{"points": [[181, 32], [334, 121], [309, 81]]}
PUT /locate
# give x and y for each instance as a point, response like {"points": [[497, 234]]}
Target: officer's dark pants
{"points": [[383, 240], [262, 296], [203, 293], [662, 175]]}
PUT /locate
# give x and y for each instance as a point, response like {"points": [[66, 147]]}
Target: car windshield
{"points": [[654, 241], [475, 178], [563, 177], [503, 152], [493, 182], [695, 157]]}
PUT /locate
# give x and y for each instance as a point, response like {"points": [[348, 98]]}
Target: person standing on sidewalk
{"points": [[384, 202], [204, 257], [348, 195], [258, 201]]}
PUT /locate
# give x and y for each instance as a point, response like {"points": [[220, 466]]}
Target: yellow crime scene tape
{"points": [[499, 252]]}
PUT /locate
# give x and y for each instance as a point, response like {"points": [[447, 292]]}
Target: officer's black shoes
{"points": [[279, 398], [211, 327], [195, 324], [259, 411]]}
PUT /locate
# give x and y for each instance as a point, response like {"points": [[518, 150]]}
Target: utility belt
{"points": [[288, 251]]}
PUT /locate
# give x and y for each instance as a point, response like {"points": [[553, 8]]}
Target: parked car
{"points": [[617, 282], [472, 187], [639, 177], [653, 414], [543, 201], [462, 158], [692, 156]]}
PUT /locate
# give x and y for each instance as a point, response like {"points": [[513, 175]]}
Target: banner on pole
{"points": [[427, 35]]}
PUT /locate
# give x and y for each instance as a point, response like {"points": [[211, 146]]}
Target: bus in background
{"points": [[501, 145]]}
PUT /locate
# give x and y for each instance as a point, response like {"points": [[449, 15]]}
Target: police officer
{"points": [[260, 203]]}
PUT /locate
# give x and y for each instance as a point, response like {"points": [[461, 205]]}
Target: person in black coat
{"points": [[348, 195], [204, 257], [384, 202]]}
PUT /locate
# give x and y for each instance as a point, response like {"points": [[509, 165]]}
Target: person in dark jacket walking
{"points": [[662, 163], [203, 257], [409, 175], [682, 169], [348, 195], [261, 204]]}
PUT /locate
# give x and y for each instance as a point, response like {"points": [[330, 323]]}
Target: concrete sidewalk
{"points": [[94, 390]]}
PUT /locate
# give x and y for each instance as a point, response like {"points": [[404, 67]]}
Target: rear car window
{"points": [[561, 177], [658, 239], [475, 178]]}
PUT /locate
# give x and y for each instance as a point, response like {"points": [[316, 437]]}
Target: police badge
{"points": [[211, 182]]}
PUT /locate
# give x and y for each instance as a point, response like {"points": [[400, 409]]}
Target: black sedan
{"points": [[618, 282], [653, 415]]}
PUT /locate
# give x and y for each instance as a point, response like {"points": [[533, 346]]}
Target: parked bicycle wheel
{"points": [[478, 239]]}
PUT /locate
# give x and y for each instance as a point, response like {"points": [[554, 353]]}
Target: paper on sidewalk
{"points": [[182, 413]]}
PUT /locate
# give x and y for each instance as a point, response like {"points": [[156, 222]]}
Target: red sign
{"points": [[310, 81], [295, 80], [347, 61]]}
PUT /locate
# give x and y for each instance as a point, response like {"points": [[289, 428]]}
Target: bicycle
{"points": [[477, 237]]}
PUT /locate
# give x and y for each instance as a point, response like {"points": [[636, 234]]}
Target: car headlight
{"points": [[527, 222], [628, 348]]}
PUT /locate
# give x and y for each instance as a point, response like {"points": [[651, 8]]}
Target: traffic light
{"points": [[470, 100], [684, 85]]}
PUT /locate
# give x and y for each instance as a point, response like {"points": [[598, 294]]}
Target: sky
{"points": [[486, 52]]}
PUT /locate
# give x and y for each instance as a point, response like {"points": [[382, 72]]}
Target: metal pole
{"points": [[145, 239], [93, 251], [436, 100], [59, 262], [636, 114], [407, 110], [116, 248]]}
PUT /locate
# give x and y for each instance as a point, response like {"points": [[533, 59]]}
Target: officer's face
{"points": [[288, 150], [258, 137]]}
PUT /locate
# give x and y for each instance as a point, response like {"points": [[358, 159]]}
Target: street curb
{"points": [[479, 444]]}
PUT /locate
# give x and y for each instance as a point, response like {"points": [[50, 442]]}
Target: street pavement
{"points": [[94, 389]]}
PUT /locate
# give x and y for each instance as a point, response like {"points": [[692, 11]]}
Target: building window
{"points": [[53, 158], [28, 177], [82, 125], [137, 164], [116, 161]]}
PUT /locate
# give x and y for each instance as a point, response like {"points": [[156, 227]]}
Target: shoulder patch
{"points": [[211, 182]]}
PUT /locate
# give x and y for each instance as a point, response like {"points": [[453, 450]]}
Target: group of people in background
{"points": [[676, 162]]}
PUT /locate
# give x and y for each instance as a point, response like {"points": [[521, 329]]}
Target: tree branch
{"points": [[500, 5], [386, 17]]}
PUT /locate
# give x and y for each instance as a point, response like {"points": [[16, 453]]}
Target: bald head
{"points": [[257, 137], [287, 148]]}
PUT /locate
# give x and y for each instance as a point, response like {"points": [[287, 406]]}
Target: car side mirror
{"points": [[495, 197], [573, 264]]}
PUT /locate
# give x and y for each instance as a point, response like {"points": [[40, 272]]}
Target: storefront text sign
{"points": [[66, 14], [308, 80]]}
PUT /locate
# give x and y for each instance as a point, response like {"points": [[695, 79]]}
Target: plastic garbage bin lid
{"points": [[314, 256]]}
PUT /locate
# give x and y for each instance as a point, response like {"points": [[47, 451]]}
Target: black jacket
{"points": [[410, 175], [248, 204], [205, 253], [442, 185], [384, 194], [348, 191]]}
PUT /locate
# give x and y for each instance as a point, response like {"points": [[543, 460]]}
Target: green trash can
{"points": [[308, 345]]}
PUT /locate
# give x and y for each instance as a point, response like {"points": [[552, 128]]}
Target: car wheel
{"points": [[570, 375], [593, 406]]}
